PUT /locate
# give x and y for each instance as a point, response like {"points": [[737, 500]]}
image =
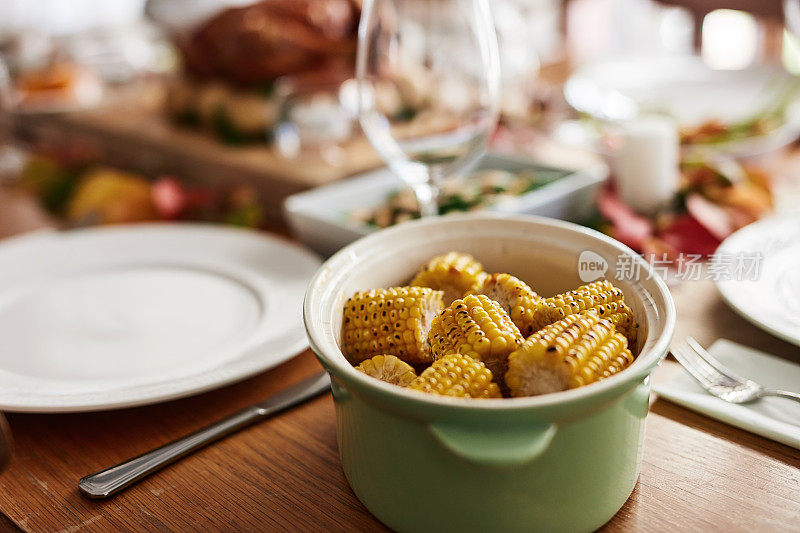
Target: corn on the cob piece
{"points": [[478, 327], [388, 368], [514, 295], [453, 273], [577, 350], [457, 375], [391, 321], [601, 296]]}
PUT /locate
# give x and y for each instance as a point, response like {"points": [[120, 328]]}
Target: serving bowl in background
{"points": [[321, 218], [565, 461]]}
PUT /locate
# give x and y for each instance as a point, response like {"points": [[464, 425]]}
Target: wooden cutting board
{"points": [[134, 133]]}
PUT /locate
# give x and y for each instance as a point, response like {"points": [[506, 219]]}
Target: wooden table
{"points": [[284, 474]]}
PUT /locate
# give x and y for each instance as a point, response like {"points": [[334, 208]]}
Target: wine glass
{"points": [[11, 155], [791, 14], [428, 79]]}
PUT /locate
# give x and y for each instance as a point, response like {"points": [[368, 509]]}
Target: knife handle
{"points": [[107, 482]]}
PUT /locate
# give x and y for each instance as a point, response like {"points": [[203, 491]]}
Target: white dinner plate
{"points": [[771, 300], [114, 317], [685, 88]]}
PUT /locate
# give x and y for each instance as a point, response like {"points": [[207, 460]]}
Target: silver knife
{"points": [[107, 482]]}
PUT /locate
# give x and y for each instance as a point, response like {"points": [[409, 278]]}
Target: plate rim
{"points": [[724, 286]]}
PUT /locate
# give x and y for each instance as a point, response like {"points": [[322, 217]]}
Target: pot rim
{"points": [[330, 355]]}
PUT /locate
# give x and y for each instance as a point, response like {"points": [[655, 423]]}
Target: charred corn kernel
{"points": [[457, 375], [601, 296], [388, 368], [575, 351], [478, 327], [391, 321], [453, 273], [515, 297]]}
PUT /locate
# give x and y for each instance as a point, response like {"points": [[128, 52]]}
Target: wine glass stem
{"points": [[428, 199]]}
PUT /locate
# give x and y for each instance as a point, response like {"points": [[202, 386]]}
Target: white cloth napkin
{"points": [[775, 418]]}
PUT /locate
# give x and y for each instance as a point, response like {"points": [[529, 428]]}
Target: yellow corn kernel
{"points": [[457, 375], [478, 327], [391, 321], [388, 368], [514, 296], [453, 273], [601, 296], [575, 351]]}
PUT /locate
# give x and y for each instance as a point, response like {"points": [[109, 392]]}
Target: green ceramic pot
{"points": [[557, 462]]}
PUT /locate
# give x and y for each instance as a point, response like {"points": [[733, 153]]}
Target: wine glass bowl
{"points": [[429, 84], [791, 14]]}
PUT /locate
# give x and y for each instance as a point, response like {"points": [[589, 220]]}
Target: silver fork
{"points": [[719, 380]]}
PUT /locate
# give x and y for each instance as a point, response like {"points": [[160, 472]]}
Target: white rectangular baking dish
{"points": [[319, 217]]}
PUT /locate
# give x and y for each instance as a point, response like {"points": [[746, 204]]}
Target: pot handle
{"points": [[500, 447]]}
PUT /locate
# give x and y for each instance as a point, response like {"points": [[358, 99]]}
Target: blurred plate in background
{"points": [[686, 89]]}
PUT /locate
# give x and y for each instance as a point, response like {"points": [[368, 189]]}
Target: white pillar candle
{"points": [[646, 165]]}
